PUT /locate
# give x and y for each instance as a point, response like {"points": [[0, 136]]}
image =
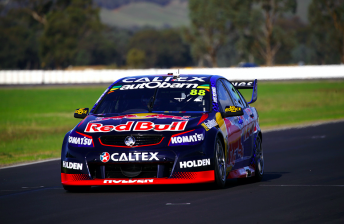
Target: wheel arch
{"points": [[64, 148], [260, 135], [220, 171], [222, 139]]}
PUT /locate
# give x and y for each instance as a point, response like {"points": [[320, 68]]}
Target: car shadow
{"points": [[153, 188], [268, 176]]}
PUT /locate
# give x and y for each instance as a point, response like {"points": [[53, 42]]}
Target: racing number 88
{"points": [[200, 92]]}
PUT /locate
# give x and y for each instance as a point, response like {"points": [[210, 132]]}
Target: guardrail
{"points": [[18, 77]]}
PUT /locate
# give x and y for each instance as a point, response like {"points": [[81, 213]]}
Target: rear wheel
{"points": [[77, 188], [220, 165], [259, 160]]}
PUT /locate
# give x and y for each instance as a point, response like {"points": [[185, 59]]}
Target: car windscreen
{"points": [[177, 97]]}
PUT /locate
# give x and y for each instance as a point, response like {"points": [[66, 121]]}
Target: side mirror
{"points": [[232, 111], [81, 113]]}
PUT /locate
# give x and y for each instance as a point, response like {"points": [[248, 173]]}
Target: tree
{"points": [[208, 28], [36, 8], [120, 38], [18, 38], [67, 26], [162, 49], [268, 36], [136, 58], [293, 36], [327, 24], [54, 34], [214, 23]]}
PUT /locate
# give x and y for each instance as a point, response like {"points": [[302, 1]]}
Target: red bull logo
{"points": [[138, 126], [235, 146]]}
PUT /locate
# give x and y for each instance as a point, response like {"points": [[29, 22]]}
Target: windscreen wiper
{"points": [[151, 101]]}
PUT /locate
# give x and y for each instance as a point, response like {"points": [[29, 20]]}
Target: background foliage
{"points": [[60, 34]]}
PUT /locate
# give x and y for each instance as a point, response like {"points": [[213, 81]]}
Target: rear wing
{"points": [[247, 85]]}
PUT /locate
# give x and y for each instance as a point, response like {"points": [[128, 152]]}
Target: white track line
{"points": [[178, 203], [316, 123], [31, 163]]}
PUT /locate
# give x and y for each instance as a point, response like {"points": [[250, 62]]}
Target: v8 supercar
{"points": [[165, 129]]}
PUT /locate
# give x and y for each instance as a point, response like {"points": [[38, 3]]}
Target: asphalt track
{"points": [[303, 183]]}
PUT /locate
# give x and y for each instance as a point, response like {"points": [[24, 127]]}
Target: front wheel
{"points": [[259, 160], [220, 165]]}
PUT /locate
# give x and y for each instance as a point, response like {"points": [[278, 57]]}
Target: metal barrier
{"points": [[18, 77]]}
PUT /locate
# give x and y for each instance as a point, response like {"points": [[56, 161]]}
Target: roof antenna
{"points": [[176, 75]]}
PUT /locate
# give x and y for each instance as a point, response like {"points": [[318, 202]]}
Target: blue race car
{"points": [[165, 129]]}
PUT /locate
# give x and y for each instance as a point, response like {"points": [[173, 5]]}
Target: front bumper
{"points": [[159, 165]]}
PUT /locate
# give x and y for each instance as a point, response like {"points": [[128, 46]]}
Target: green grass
{"points": [[293, 103], [34, 120]]}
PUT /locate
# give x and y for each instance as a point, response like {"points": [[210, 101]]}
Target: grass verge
{"points": [[34, 120]]}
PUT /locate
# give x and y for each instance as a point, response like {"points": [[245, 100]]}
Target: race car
{"points": [[165, 129]]}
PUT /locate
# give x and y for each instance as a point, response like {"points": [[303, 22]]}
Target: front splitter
{"points": [[177, 178]]}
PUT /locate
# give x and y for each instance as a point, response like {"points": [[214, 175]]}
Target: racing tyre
{"points": [[259, 160], [77, 188], [220, 165]]}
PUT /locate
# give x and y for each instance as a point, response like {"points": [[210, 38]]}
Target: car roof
{"points": [[206, 77]]}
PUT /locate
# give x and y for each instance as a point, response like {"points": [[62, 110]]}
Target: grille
{"points": [[137, 170], [120, 171], [140, 140]]}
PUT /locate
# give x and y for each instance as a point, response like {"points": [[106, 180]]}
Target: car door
{"points": [[251, 121], [232, 127], [246, 119]]}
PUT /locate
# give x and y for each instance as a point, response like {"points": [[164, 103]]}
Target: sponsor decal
{"points": [[153, 85], [192, 137], [80, 141], [194, 163], [209, 124], [71, 165], [105, 157], [214, 94], [81, 111], [204, 86], [77, 139], [160, 79], [131, 181], [242, 83], [213, 86], [114, 88], [139, 126], [232, 109], [135, 156], [197, 92]]}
